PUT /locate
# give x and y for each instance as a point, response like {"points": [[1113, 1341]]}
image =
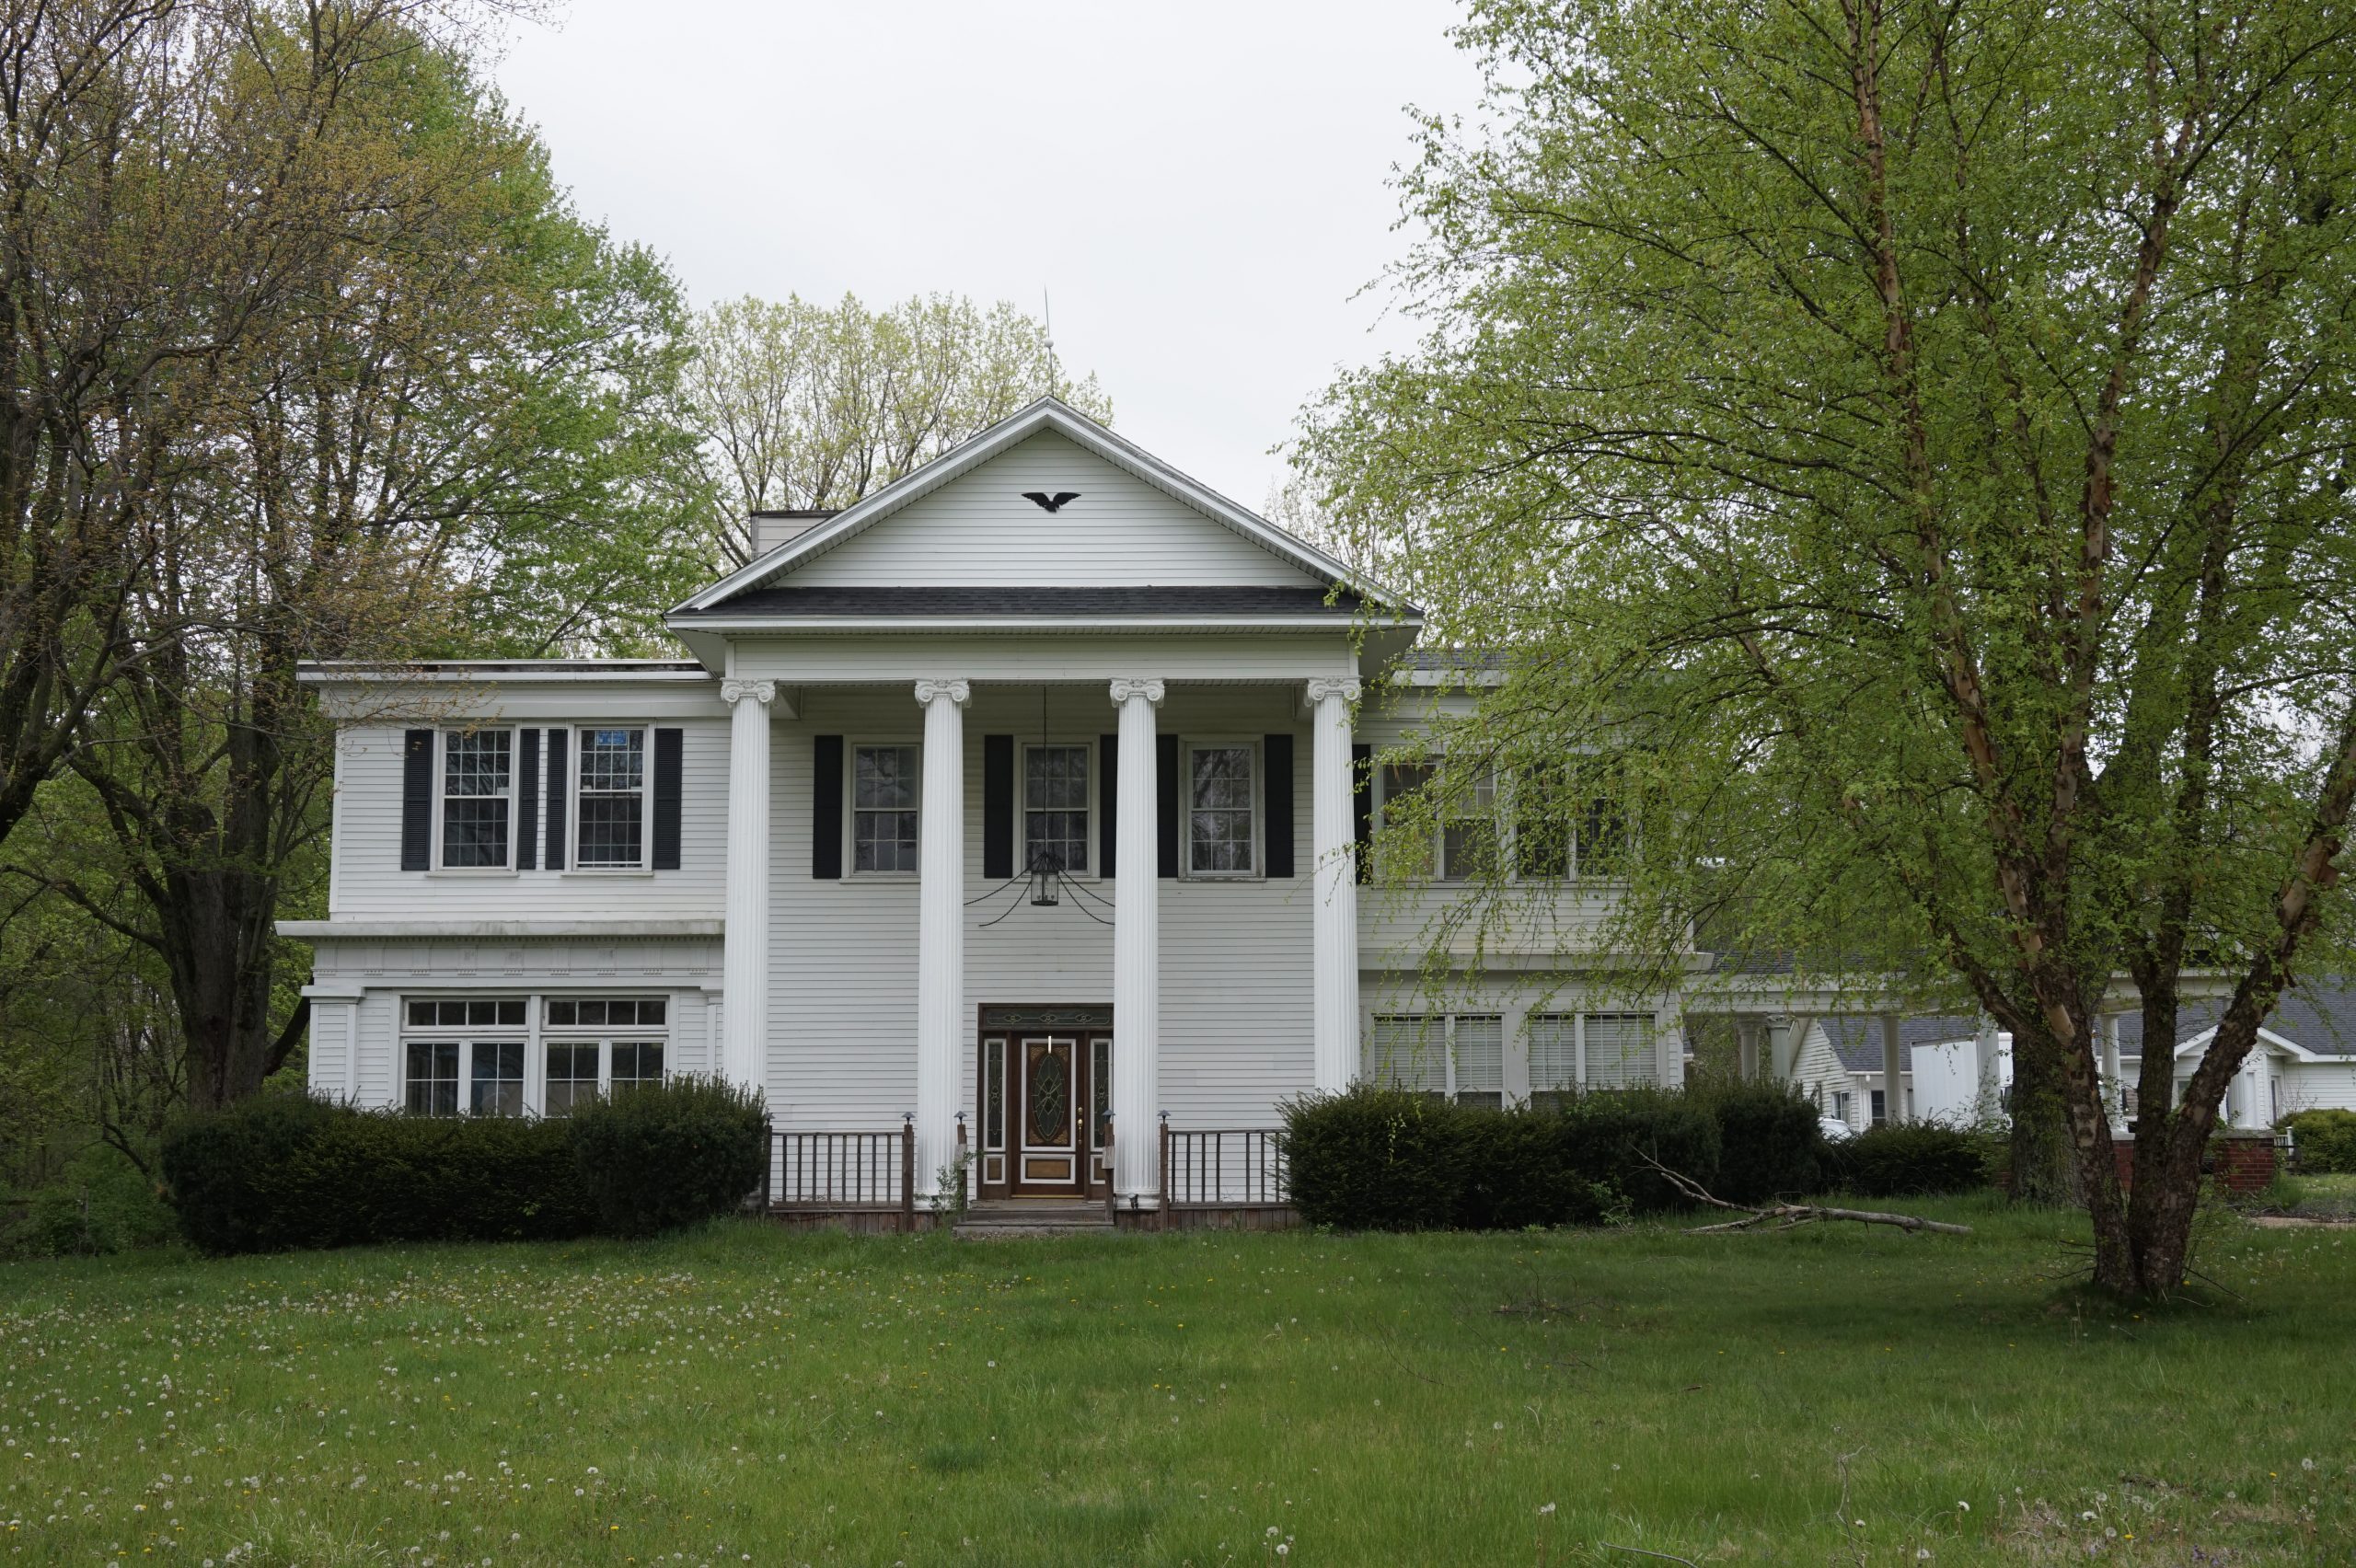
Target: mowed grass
{"points": [[1833, 1395]]}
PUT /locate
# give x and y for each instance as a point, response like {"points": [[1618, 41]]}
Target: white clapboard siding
{"points": [[370, 884], [1235, 956], [978, 531]]}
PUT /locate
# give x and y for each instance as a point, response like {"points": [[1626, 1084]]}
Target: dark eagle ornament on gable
{"points": [[1051, 502]]}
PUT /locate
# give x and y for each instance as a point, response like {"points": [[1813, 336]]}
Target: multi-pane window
{"points": [[1055, 808], [1542, 822], [884, 808], [1458, 1056], [1410, 852], [478, 798], [1220, 797], [1574, 1051], [476, 1041], [572, 1075], [612, 812], [602, 1045], [497, 1080], [1468, 831]]}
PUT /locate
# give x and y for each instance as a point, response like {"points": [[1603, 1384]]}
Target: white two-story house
{"points": [[1017, 804]]}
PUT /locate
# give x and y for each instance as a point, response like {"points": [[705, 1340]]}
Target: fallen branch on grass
{"points": [[1791, 1214]]}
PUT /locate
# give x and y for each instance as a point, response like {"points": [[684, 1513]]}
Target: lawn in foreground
{"points": [[746, 1394]]}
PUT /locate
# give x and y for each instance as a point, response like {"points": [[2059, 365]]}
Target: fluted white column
{"points": [[940, 924], [1893, 1072], [2114, 1084], [1333, 928], [744, 963], [1137, 949]]}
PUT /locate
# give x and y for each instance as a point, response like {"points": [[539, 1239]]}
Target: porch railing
{"points": [[1223, 1168], [843, 1173]]}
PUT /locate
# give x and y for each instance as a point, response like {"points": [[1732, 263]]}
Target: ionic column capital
{"points": [[1346, 687], [958, 692], [1125, 688], [732, 692]]}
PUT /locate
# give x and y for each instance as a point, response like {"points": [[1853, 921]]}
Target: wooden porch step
{"points": [[1001, 1219]]}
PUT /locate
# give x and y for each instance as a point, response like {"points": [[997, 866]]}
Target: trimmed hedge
{"points": [[1909, 1160], [283, 1172], [2325, 1141], [657, 1160], [1770, 1141], [1376, 1159]]}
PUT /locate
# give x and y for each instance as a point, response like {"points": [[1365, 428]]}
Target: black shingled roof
{"points": [[1046, 604]]}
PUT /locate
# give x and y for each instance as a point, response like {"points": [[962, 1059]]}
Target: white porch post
{"points": [[1137, 949], [1893, 1070], [941, 924], [2114, 1090], [1746, 1037], [744, 961], [1334, 1020]]}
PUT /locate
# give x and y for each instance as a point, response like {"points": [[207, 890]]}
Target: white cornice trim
{"points": [[505, 672], [494, 931], [836, 625], [1047, 413]]}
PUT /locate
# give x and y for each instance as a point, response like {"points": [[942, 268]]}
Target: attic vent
{"points": [[772, 529], [1050, 503]]}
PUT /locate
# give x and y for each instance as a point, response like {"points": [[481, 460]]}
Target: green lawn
{"points": [[1831, 1396]]}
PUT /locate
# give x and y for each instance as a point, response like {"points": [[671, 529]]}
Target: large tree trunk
{"points": [[2046, 1164]]}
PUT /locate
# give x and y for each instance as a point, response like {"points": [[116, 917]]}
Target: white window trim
{"points": [[465, 1037], [1187, 746], [851, 745], [1446, 1036], [604, 1035], [442, 795], [645, 866], [1022, 751]]}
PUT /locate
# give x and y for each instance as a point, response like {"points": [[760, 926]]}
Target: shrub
{"points": [[1912, 1159], [279, 1171], [1386, 1160], [670, 1154], [1770, 1141], [1373, 1159], [2325, 1141]]}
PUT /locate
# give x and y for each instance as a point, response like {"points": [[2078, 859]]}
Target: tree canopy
{"points": [[1912, 439]]}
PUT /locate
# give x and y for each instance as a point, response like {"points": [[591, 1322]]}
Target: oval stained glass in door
{"points": [[1047, 1093]]}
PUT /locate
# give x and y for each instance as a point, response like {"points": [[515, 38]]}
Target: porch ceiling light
{"points": [[1046, 880]]}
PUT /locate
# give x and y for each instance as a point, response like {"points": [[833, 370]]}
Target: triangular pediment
{"points": [[1118, 519]]}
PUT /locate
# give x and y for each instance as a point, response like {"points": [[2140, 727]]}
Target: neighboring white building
{"points": [[811, 857]]}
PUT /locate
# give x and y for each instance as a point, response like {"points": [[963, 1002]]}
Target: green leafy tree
{"points": [[1913, 440], [456, 435], [803, 407]]}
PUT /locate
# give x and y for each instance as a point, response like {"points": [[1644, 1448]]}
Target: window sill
{"points": [[596, 871], [472, 873]]}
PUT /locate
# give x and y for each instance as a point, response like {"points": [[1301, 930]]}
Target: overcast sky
{"points": [[1201, 187]]}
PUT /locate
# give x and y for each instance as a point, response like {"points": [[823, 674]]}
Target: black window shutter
{"points": [[669, 747], [1276, 752], [1108, 803], [826, 807], [557, 795], [527, 801], [998, 806], [1165, 802], [417, 800], [1362, 807]]}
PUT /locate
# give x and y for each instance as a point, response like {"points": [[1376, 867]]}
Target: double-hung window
{"points": [[602, 1045], [1055, 808], [1569, 1052], [1223, 808], [884, 784], [1407, 843], [1468, 830], [1461, 844], [612, 799], [463, 1054], [1458, 1056], [478, 799]]}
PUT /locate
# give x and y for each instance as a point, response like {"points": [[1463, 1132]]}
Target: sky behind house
{"points": [[1200, 188]]}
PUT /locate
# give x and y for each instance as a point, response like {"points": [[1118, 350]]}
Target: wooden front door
{"points": [[1046, 1096]]}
